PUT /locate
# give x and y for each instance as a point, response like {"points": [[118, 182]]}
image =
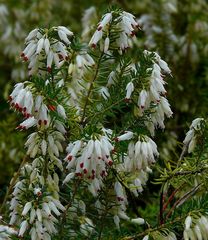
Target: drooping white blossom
{"points": [[140, 154], [40, 45], [191, 136], [126, 27]]}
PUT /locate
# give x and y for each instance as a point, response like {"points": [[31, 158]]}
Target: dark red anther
{"points": [[25, 58], [110, 163], [114, 150], [93, 45], [127, 100], [99, 28], [133, 33]]}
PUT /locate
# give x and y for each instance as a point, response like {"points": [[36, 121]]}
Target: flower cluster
{"points": [[197, 230], [152, 92], [33, 207], [35, 110], [47, 41], [191, 136], [140, 154], [22, 100], [121, 22], [6, 232], [38, 143], [117, 206], [89, 159]]}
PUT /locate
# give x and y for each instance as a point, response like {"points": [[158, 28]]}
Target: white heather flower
{"points": [[46, 46], [87, 227], [65, 30], [126, 27], [27, 208], [104, 92], [96, 38], [198, 232], [111, 78], [43, 115], [51, 145], [49, 60], [106, 45], [126, 136], [142, 99], [119, 191], [38, 102], [6, 232], [61, 111], [141, 154], [32, 34], [188, 222], [146, 237], [63, 36], [105, 20], [138, 221], [22, 100], [30, 122], [190, 139], [129, 90], [23, 228], [116, 220], [41, 46], [69, 177]]}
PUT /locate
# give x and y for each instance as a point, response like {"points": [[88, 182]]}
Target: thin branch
{"points": [[90, 88], [183, 199], [148, 231]]}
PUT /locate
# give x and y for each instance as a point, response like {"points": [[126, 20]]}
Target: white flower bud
{"points": [[146, 237], [46, 46], [27, 208], [188, 222], [106, 44], [23, 228], [40, 45], [68, 177], [138, 221], [61, 111]]}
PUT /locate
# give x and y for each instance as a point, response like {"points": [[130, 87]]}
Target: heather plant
{"points": [[91, 108]]}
